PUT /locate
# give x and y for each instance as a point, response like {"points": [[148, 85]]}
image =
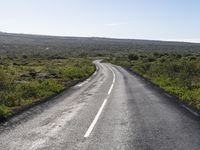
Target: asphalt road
{"points": [[111, 110]]}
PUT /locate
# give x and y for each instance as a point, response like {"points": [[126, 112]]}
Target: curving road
{"points": [[111, 110]]}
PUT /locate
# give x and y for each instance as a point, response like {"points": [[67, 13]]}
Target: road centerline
{"points": [[91, 127]]}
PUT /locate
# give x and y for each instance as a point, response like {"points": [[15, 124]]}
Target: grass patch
{"points": [[178, 74], [26, 80]]}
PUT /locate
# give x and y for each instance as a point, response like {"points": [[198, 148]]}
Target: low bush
{"points": [[36, 78], [176, 73]]}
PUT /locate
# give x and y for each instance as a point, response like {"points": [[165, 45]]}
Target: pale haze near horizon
{"points": [[172, 20]]}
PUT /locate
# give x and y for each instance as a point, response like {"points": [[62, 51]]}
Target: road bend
{"points": [[113, 109]]}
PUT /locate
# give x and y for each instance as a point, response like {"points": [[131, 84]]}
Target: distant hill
{"points": [[41, 44]]}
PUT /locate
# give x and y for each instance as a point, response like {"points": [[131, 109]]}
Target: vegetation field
{"points": [[33, 67], [37, 45], [176, 73], [25, 80]]}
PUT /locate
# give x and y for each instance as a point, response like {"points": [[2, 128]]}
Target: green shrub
{"points": [[176, 73], [4, 111], [23, 81], [133, 57]]}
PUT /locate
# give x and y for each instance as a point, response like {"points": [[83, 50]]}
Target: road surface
{"points": [[111, 110]]}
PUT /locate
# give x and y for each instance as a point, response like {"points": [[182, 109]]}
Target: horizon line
{"points": [[194, 41]]}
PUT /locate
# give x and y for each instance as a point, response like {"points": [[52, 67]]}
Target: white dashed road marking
{"points": [[88, 132]]}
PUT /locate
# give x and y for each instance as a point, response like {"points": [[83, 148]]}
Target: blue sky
{"points": [[137, 19]]}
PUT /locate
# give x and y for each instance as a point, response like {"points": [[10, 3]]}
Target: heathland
{"points": [[33, 67]]}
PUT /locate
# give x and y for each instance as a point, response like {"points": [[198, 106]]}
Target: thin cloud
{"points": [[113, 24]]}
